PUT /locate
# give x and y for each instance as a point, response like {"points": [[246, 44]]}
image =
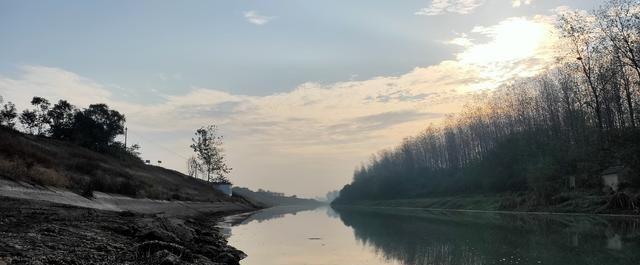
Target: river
{"points": [[366, 236]]}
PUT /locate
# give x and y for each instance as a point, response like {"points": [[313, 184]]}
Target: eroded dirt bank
{"points": [[38, 232]]}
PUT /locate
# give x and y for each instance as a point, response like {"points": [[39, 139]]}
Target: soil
{"points": [[38, 232]]}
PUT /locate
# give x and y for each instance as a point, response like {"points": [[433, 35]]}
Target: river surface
{"points": [[365, 236]]}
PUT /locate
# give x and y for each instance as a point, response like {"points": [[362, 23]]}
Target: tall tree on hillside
{"points": [[97, 126], [619, 21], [42, 119], [36, 120], [29, 120], [207, 145], [581, 33], [61, 119], [8, 114]]}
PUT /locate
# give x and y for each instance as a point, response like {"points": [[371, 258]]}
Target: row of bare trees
{"points": [[531, 132]]}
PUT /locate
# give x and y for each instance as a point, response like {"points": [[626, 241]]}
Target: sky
{"points": [[302, 91]]}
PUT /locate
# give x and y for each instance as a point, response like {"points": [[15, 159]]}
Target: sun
{"points": [[516, 43]]}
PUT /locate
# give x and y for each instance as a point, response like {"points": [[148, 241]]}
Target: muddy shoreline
{"points": [[38, 232]]}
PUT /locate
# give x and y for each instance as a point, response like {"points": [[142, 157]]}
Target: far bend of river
{"points": [[364, 236]]}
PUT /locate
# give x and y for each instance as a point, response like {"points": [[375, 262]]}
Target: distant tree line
{"points": [[576, 119], [95, 127]]}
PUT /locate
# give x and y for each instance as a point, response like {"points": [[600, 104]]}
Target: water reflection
{"points": [[441, 237], [354, 236], [270, 213]]}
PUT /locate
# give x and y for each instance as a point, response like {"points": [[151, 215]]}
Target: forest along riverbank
{"points": [[573, 202], [39, 232]]}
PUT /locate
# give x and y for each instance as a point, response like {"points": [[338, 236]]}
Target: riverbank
{"points": [[40, 232], [574, 202]]}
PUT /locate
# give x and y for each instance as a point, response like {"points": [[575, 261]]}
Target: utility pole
{"points": [[125, 138]]}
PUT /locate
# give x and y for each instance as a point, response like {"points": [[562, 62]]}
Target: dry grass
{"points": [[48, 162]]}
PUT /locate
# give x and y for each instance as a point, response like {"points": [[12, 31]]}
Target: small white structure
{"points": [[223, 187], [572, 182], [611, 177], [614, 242]]}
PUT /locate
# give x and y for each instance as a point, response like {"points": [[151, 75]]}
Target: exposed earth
{"points": [[40, 232]]}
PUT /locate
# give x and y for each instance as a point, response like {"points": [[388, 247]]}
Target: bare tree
{"points": [[207, 145], [193, 167]]}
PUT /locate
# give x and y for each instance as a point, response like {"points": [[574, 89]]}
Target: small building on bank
{"points": [[224, 187], [612, 177]]}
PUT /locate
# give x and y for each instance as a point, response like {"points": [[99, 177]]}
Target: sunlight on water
{"points": [[288, 236]]}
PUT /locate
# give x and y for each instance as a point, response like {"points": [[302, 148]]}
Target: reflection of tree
{"points": [[332, 213], [442, 238], [270, 213]]}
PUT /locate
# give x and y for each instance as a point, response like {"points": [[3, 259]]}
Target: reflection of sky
{"points": [[285, 241]]}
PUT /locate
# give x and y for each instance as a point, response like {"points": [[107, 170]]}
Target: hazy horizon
{"points": [[303, 92]]}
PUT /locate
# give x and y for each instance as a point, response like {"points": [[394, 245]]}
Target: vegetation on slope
{"points": [[50, 162], [63, 146], [532, 135]]}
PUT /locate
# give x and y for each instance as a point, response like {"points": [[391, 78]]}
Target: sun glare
{"points": [[511, 41]]}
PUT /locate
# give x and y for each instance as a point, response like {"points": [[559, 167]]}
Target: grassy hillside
{"points": [[48, 162]]}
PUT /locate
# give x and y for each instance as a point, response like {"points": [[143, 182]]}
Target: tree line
{"points": [[95, 127], [573, 120]]}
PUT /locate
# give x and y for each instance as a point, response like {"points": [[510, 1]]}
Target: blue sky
{"points": [[320, 84]]}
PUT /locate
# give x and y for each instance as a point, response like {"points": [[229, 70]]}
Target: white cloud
{"points": [[52, 82], [518, 3], [439, 7], [254, 17], [315, 130]]}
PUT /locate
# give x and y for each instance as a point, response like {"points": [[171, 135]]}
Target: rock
{"points": [[227, 258], [164, 257], [210, 251], [231, 256], [157, 234], [150, 248]]}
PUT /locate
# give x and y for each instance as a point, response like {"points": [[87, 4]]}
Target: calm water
{"points": [[358, 236]]}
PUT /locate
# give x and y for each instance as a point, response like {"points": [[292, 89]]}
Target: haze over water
{"points": [[374, 237]]}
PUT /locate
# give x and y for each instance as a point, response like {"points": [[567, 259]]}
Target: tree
{"points": [[207, 145], [96, 127], [61, 119], [8, 114], [134, 150], [193, 167], [582, 35], [619, 21], [42, 119], [29, 120]]}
